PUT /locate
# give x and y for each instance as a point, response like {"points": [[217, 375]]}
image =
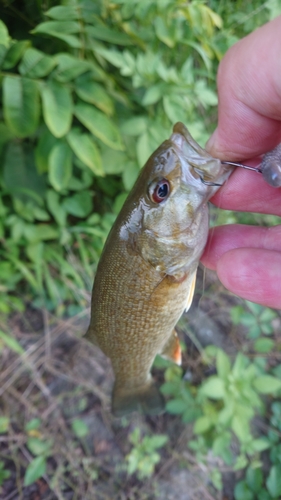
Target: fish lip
{"points": [[180, 129], [197, 164]]}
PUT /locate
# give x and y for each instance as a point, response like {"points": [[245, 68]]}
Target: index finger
{"points": [[246, 191]]}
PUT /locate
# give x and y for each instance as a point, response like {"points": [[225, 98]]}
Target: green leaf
{"points": [[94, 93], [130, 175], [20, 176], [264, 345], [176, 406], [60, 166], [175, 109], [79, 205], [241, 462], [14, 53], [5, 135], [100, 125], [267, 315], [243, 492], [254, 479], [266, 384], [267, 328], [11, 342], [45, 144], [57, 107], [4, 424], [114, 162], [64, 13], [26, 273], [21, 105], [206, 95], [153, 94], [33, 424], [69, 67], [236, 313], [254, 332], [37, 446], [109, 35], [163, 33], [3, 52], [86, 150], [79, 428], [4, 35], [113, 56], [273, 481], [240, 364], [213, 388], [62, 30], [35, 64], [223, 364], [144, 149], [264, 495], [241, 428], [156, 441], [35, 470], [202, 425], [40, 232], [51, 27], [134, 126], [260, 444], [56, 208], [119, 202]]}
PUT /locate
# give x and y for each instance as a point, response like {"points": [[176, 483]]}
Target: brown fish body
{"points": [[146, 275]]}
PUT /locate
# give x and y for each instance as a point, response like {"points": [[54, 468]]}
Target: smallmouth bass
{"points": [[146, 274]]}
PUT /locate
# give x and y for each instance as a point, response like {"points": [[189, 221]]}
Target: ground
{"points": [[61, 378]]}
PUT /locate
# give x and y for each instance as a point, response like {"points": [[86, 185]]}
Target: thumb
{"points": [[249, 89]]}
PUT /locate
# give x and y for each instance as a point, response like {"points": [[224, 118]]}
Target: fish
{"points": [[146, 275]]}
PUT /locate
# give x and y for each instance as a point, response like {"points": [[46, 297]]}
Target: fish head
{"points": [[168, 221]]}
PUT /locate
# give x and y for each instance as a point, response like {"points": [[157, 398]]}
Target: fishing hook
{"points": [[208, 183], [247, 167]]}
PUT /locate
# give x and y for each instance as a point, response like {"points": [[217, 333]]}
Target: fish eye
{"points": [[161, 191]]}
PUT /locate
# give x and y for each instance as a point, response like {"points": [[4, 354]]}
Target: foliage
{"points": [[89, 92], [257, 486], [224, 405], [4, 474], [143, 456], [38, 446], [256, 318]]}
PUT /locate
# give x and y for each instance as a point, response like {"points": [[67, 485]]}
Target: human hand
{"points": [[248, 259]]}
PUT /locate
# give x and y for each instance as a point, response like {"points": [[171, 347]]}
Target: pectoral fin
{"points": [[190, 292], [172, 349]]}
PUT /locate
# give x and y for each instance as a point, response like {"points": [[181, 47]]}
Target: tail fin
{"points": [[146, 399]]}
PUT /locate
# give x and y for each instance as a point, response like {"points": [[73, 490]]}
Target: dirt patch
{"points": [[61, 378]]}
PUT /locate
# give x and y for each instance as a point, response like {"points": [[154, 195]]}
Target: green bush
{"points": [[88, 93]]}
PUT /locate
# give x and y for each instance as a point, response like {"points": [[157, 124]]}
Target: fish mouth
{"points": [[204, 167]]}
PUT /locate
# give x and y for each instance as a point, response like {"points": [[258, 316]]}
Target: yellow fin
{"points": [[172, 349], [190, 292], [146, 399]]}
